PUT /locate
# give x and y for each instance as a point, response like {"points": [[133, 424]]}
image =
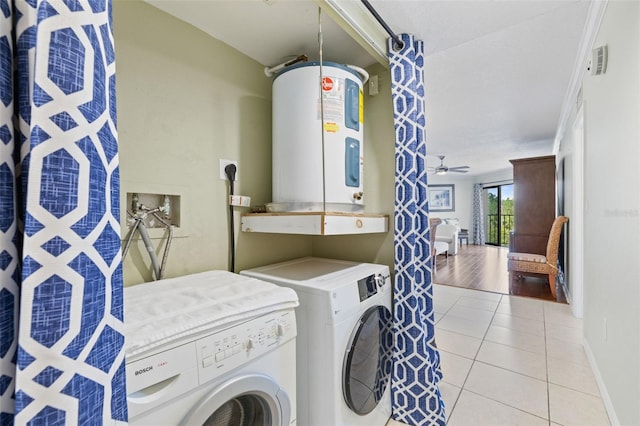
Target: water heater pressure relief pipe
{"points": [[363, 73], [270, 71]]}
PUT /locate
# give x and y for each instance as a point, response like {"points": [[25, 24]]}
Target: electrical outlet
{"points": [[240, 200], [225, 163]]}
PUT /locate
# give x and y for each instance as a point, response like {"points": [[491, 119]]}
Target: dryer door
{"points": [[367, 364], [253, 400]]}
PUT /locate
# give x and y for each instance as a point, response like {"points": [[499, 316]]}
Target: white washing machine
{"points": [[210, 348], [344, 342]]}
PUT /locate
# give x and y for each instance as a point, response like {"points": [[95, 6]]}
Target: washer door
{"points": [[251, 400], [367, 364]]}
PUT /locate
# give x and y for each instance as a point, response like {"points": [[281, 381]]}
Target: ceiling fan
{"points": [[443, 170]]}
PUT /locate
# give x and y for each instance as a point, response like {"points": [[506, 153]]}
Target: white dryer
{"points": [[344, 342], [210, 348]]}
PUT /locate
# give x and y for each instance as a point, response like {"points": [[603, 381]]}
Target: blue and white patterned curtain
{"points": [[62, 342], [416, 373], [478, 215]]}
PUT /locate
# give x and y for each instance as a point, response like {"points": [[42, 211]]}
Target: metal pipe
{"points": [[399, 42], [147, 243], [165, 254], [142, 229], [130, 237], [321, 97]]}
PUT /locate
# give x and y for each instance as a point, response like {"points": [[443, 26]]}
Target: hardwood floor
{"points": [[485, 268]]}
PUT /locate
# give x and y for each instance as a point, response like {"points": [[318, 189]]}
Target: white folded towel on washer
{"points": [[177, 310]]}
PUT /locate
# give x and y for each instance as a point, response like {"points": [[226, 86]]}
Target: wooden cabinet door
{"points": [[534, 203]]}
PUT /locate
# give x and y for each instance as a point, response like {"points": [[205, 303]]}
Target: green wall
{"points": [[186, 100]]}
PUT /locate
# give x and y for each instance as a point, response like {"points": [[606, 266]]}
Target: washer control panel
{"points": [[370, 285], [367, 285], [228, 349]]}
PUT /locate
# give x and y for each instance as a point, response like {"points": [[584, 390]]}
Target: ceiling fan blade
{"points": [[442, 169]]}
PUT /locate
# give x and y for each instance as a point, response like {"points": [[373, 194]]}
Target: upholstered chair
{"points": [[529, 263], [448, 234], [437, 247]]}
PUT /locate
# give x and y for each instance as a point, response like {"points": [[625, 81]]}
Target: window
{"points": [[499, 219]]}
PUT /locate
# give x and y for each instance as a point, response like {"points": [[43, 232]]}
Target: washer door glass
{"points": [[244, 410], [248, 400], [367, 363]]}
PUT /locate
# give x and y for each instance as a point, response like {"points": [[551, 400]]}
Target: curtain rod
{"points": [[399, 42]]}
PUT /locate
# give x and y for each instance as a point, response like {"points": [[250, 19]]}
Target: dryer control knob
{"points": [[379, 280], [279, 330]]}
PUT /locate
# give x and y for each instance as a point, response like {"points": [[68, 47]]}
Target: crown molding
{"points": [[592, 25]]}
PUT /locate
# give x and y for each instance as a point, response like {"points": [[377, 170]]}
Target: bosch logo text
{"points": [[144, 370]]}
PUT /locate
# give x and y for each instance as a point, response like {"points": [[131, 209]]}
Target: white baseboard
{"points": [[606, 399]]}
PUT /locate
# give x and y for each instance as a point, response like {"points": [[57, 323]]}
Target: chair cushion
{"points": [[453, 221], [444, 239], [440, 247], [527, 257]]}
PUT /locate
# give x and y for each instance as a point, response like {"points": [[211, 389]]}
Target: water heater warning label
{"points": [[331, 127], [332, 99]]}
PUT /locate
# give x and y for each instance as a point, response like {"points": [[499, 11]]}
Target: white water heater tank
{"points": [[303, 178]]}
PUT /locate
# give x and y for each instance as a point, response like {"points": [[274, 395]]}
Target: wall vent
{"points": [[598, 62]]}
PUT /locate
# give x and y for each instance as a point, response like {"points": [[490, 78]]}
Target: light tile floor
{"points": [[509, 360]]}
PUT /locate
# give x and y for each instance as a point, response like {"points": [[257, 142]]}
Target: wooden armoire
{"points": [[534, 206]]}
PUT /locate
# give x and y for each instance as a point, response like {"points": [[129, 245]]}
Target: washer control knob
{"points": [[250, 344], [379, 280], [279, 330]]}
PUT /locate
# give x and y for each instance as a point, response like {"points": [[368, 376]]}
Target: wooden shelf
{"points": [[315, 223]]}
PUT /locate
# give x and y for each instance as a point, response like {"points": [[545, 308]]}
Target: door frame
{"points": [[576, 226]]}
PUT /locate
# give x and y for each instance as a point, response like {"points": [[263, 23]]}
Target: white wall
{"points": [[612, 212], [463, 197], [499, 176], [464, 193]]}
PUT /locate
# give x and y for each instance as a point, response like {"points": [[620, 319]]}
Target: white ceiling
{"points": [[497, 72]]}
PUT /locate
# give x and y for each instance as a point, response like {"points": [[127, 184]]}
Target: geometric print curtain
{"points": [[61, 313], [478, 215], [416, 373]]}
